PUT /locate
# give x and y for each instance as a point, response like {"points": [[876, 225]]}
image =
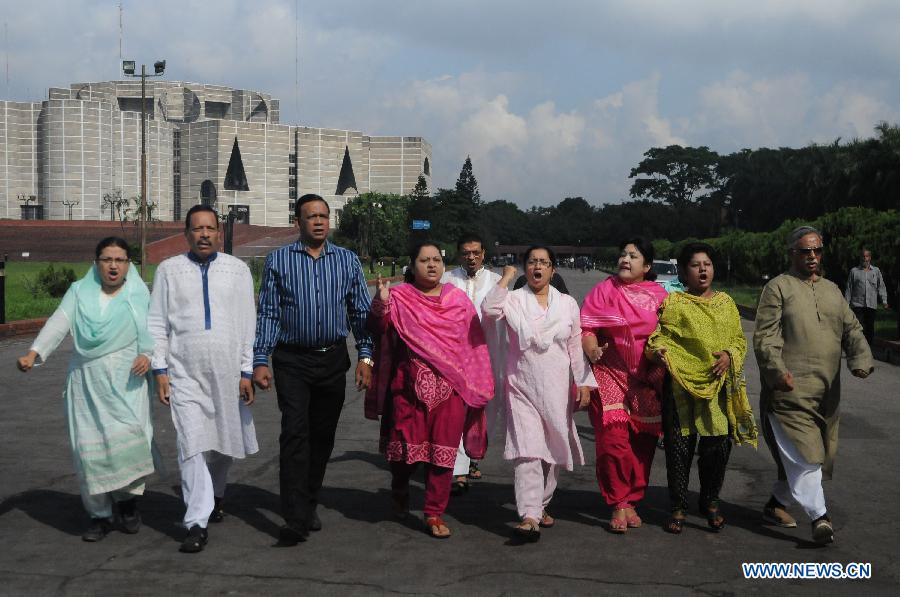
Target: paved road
{"points": [[362, 551]]}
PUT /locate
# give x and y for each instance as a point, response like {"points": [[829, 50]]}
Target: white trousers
{"points": [[804, 480], [535, 483], [100, 505], [461, 467], [203, 478]]}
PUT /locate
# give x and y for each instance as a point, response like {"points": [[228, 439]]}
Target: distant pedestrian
{"points": [[545, 353], [106, 395], [617, 317], [477, 281], [803, 325], [202, 318], [702, 344], [432, 381], [865, 286]]}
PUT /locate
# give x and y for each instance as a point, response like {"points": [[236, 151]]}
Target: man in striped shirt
{"points": [[311, 290]]}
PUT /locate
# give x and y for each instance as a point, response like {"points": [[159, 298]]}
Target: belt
{"points": [[300, 348]]}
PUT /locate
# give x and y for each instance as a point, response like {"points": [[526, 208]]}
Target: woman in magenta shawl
{"points": [[617, 317], [432, 380]]}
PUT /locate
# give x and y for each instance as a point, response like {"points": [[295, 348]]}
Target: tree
{"points": [[677, 175], [116, 204], [421, 207], [466, 185]]}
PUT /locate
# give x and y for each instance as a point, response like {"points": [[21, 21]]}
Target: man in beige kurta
{"points": [[802, 325]]}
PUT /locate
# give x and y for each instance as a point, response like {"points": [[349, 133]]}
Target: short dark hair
{"points": [[469, 238], [197, 209], [309, 198], [112, 241], [689, 250], [645, 248], [550, 252], [414, 251]]}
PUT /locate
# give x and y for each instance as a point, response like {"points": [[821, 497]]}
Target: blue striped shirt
{"points": [[310, 302]]}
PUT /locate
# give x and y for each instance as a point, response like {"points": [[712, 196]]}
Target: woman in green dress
{"points": [[701, 343], [106, 395]]}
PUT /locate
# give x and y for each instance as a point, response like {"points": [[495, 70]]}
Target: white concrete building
{"points": [[205, 143]]}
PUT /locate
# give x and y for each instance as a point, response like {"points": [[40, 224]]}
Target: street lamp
{"points": [[128, 68], [372, 206]]}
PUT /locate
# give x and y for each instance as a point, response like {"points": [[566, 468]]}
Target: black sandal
{"points": [[715, 520], [459, 487], [474, 472], [675, 524]]}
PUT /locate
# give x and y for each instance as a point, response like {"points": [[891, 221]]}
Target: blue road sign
{"points": [[421, 225]]}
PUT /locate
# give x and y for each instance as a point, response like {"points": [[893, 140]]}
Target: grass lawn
{"points": [[22, 304], [742, 294]]}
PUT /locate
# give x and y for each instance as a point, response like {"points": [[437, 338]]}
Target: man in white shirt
{"points": [[203, 320], [476, 281], [865, 286]]}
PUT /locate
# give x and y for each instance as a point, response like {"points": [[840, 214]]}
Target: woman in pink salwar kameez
{"points": [[432, 380], [544, 332], [617, 317]]}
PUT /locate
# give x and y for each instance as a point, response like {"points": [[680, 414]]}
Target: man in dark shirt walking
{"points": [[311, 289]]}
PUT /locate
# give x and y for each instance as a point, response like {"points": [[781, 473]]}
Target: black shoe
{"points": [[97, 530], [129, 516], [315, 524], [290, 535], [218, 512], [195, 540]]}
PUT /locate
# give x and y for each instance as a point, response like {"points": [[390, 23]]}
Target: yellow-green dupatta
{"points": [[691, 329]]}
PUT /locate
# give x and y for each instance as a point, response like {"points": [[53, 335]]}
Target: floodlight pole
{"points": [[142, 223]]}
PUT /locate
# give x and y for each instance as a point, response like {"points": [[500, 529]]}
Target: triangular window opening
{"points": [[346, 179], [235, 177]]}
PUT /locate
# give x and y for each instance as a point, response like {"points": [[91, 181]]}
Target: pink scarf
{"points": [[629, 383], [443, 331]]}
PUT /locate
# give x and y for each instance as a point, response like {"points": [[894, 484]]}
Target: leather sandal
{"points": [[459, 487], [618, 525], [529, 529], [474, 472], [546, 521], [435, 524], [675, 524], [714, 519], [634, 521]]}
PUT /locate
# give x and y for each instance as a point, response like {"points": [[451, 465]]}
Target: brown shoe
{"points": [[775, 513], [547, 521], [822, 530]]}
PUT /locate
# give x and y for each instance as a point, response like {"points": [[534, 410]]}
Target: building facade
{"points": [[69, 156]]}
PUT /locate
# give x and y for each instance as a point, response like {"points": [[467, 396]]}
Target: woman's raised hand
{"points": [[383, 288]]}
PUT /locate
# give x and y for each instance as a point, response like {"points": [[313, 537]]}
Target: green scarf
{"points": [[98, 333]]}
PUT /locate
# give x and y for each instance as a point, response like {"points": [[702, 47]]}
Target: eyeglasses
{"points": [[541, 262], [111, 260], [810, 251], [471, 253]]}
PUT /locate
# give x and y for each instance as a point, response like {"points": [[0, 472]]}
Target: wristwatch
{"points": [[367, 361]]}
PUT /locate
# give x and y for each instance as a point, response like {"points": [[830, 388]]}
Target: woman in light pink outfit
{"points": [[544, 330]]}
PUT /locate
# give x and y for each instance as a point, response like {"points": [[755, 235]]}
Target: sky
{"points": [[550, 99]]}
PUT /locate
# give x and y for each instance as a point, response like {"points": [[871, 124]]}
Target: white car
{"points": [[666, 271]]}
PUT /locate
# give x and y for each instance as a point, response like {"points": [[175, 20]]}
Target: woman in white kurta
{"points": [[544, 331], [106, 394]]}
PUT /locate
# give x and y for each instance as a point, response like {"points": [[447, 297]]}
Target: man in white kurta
{"points": [[476, 281], [544, 347], [202, 317]]}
